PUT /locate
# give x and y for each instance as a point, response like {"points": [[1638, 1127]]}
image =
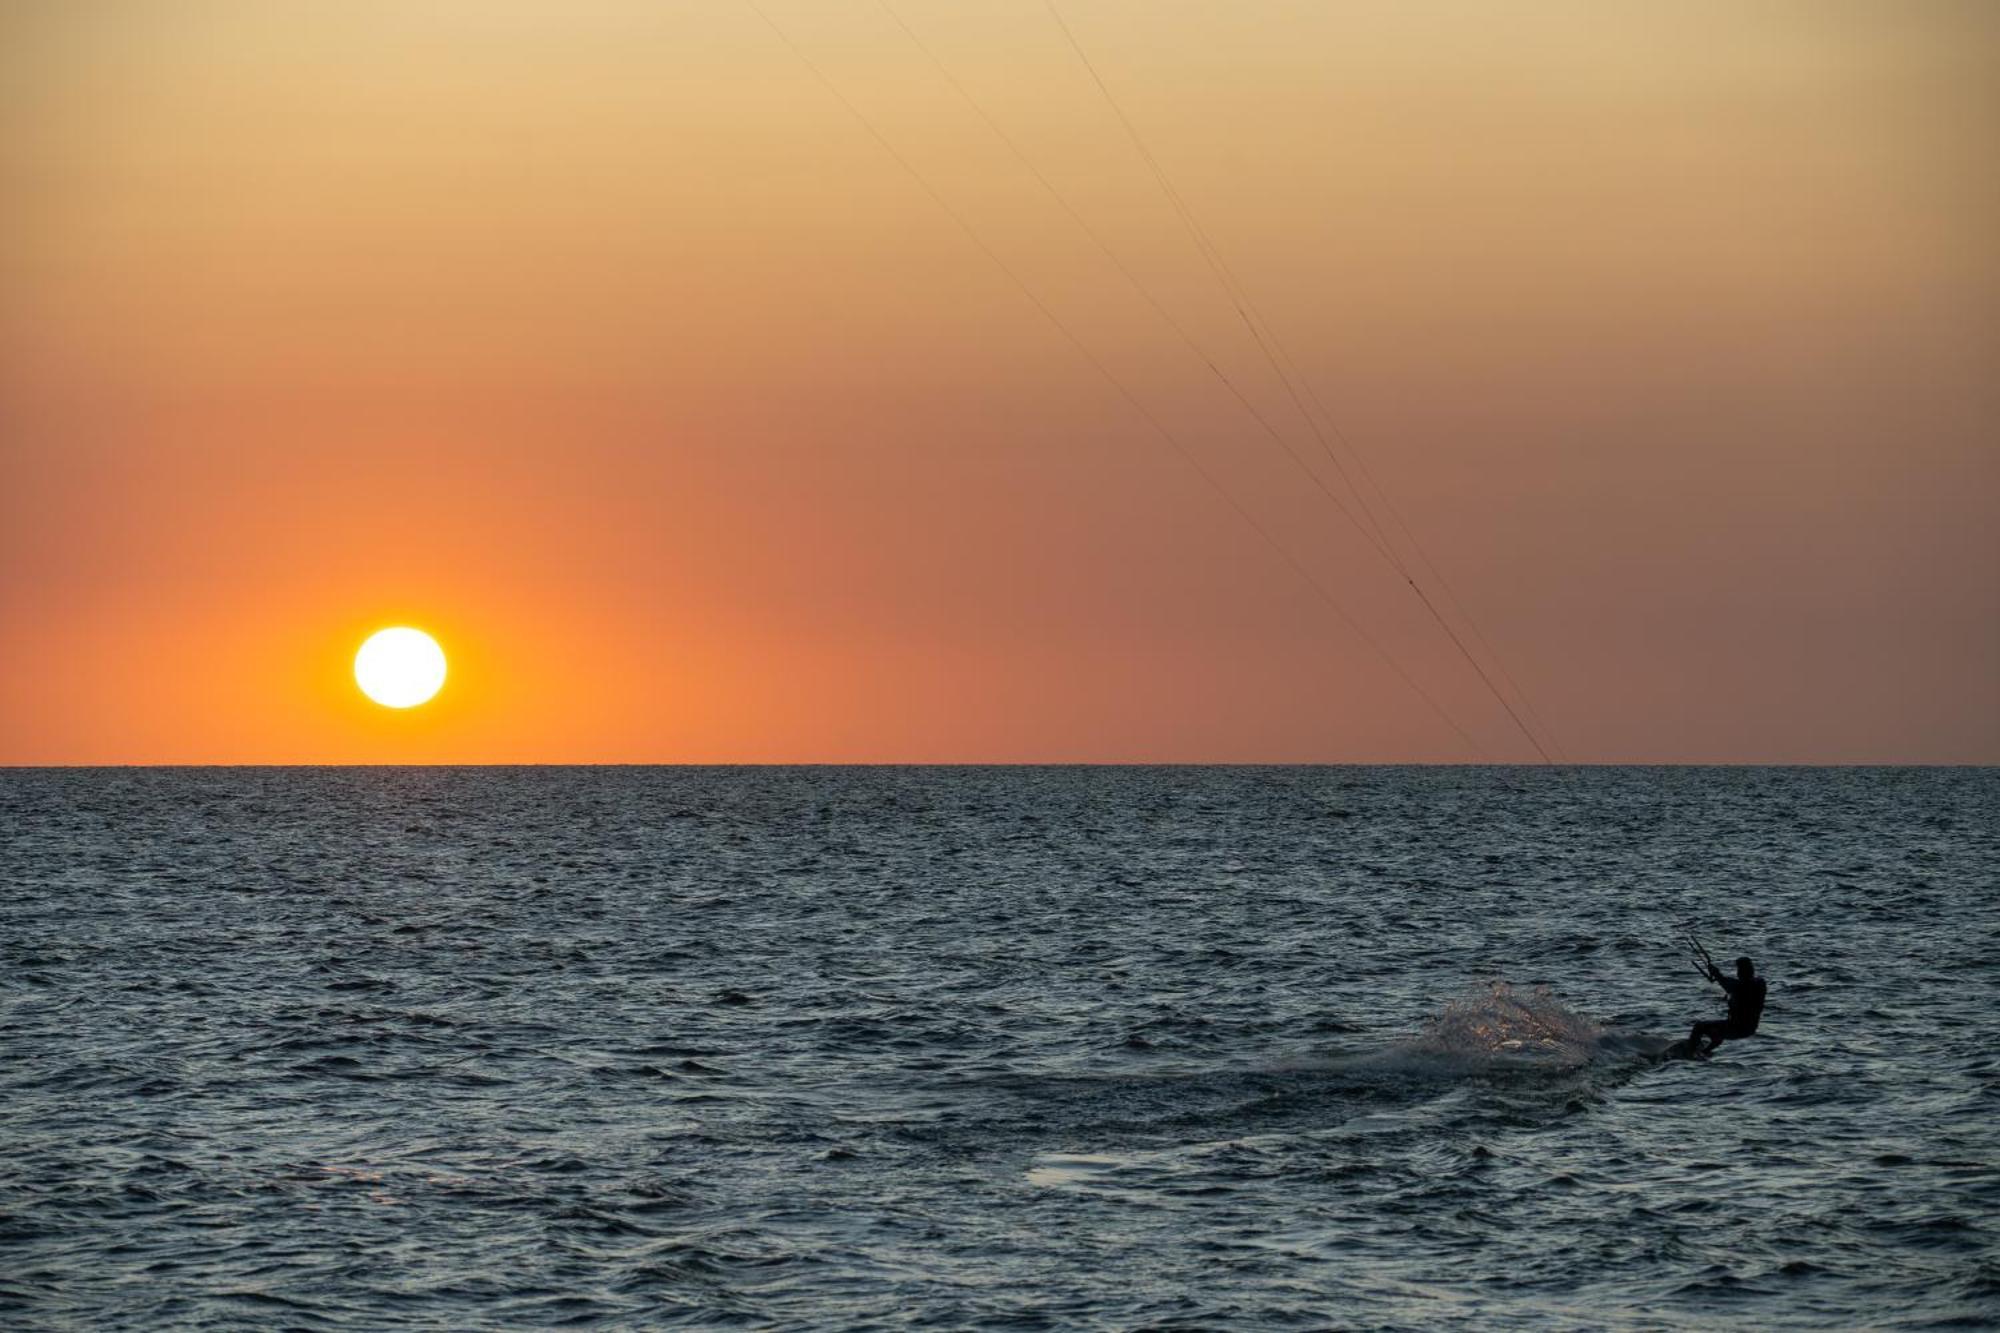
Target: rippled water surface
{"points": [[492, 1048]]}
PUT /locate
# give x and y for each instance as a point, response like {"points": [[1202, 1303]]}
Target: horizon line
{"points": [[1530, 766]]}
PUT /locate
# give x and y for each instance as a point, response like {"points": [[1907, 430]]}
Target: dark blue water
{"points": [[490, 1048]]}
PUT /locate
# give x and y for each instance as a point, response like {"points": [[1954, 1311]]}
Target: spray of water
{"points": [[1497, 1023]]}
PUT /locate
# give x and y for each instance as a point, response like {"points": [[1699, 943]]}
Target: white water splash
{"points": [[1498, 1023]]}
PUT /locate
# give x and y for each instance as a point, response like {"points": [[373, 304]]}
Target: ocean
{"points": [[1357, 1048]]}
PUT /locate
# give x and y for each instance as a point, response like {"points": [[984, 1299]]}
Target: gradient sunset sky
{"points": [[601, 340]]}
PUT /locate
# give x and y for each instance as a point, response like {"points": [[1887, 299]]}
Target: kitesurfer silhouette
{"points": [[1746, 1006]]}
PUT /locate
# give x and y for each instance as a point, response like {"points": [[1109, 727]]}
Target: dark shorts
{"points": [[1719, 1030]]}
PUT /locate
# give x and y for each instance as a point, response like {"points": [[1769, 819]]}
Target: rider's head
{"points": [[1745, 969]]}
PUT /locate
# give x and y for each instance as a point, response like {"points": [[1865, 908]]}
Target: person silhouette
{"points": [[1746, 1005]]}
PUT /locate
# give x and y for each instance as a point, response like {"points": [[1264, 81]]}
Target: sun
{"points": [[399, 668]]}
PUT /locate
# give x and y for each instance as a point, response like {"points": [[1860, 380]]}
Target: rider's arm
{"points": [[1728, 983]]}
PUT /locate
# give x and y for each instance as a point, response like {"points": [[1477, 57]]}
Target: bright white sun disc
{"points": [[399, 668]]}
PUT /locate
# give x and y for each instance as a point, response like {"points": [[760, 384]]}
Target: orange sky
{"points": [[600, 340]]}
